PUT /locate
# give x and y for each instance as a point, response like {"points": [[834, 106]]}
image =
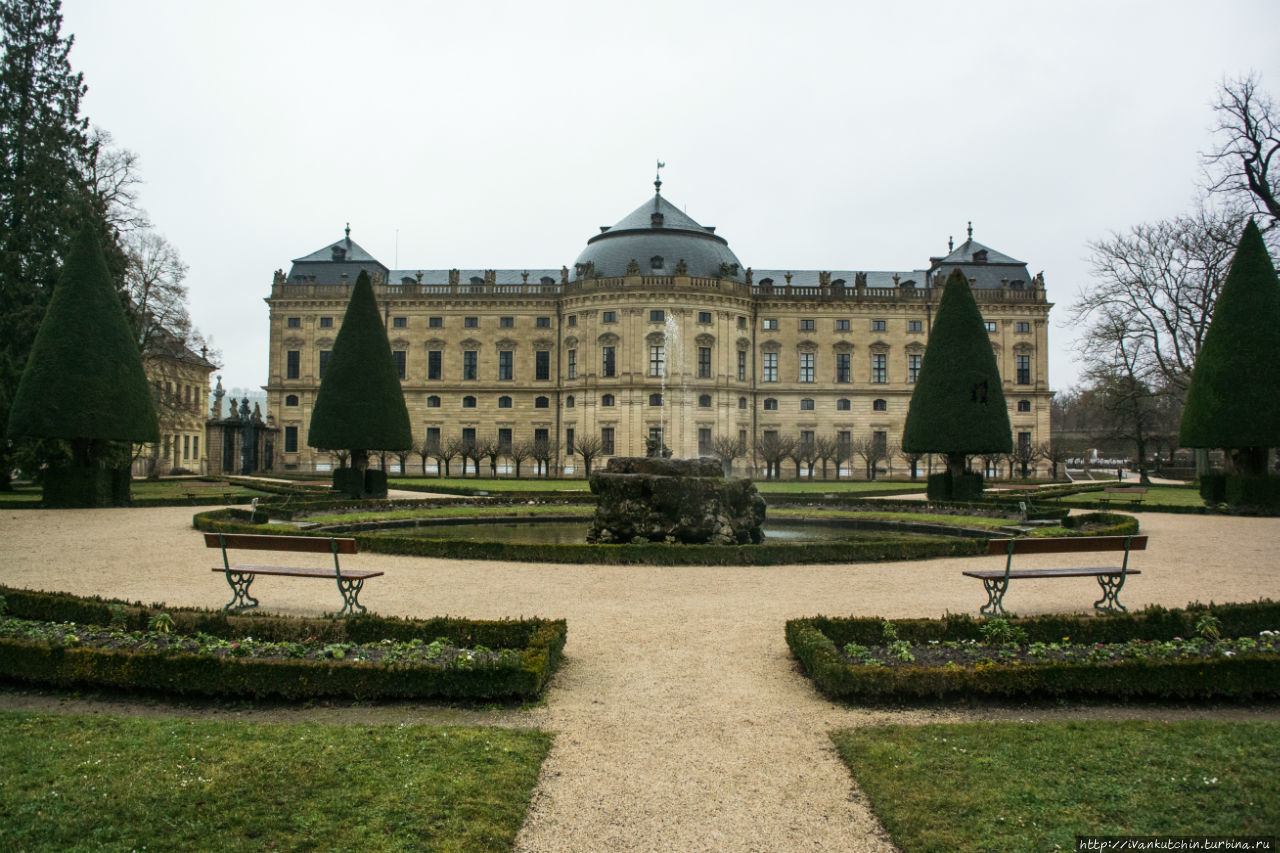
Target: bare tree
{"points": [[913, 462], [542, 453], [797, 454], [773, 448], [726, 448], [445, 451], [113, 177], [1057, 451], [871, 451], [341, 457], [402, 456], [824, 447], [588, 447], [841, 453], [518, 452], [1023, 456], [426, 450], [1245, 165]]}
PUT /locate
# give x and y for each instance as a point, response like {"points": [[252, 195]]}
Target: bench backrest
{"points": [[1066, 544], [301, 544], [1126, 490]]}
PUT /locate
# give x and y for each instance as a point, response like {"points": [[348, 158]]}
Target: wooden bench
{"points": [[1134, 494], [239, 578], [1110, 578]]}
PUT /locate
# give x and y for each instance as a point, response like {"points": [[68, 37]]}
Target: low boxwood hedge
{"points": [[816, 642], [540, 643]]}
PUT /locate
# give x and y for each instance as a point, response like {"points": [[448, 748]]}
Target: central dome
{"points": [[658, 236]]}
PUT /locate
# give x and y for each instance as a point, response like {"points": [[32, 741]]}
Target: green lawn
{"points": [[524, 484], [1155, 496], [71, 783], [837, 487], [21, 493], [1035, 786], [454, 512], [152, 489], [919, 517]]}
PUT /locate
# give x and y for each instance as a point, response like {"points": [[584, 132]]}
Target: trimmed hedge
{"points": [[816, 641], [540, 642]]}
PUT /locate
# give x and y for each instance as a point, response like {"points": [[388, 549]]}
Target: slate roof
{"points": [[465, 276], [964, 253], [353, 253], [809, 278]]}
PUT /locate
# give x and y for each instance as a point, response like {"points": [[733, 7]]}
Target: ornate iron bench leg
{"points": [[239, 583], [350, 589], [995, 588], [1110, 601]]}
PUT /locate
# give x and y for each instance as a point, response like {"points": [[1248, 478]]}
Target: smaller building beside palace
{"points": [[656, 332]]}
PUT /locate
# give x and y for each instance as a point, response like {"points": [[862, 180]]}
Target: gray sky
{"points": [[813, 135]]}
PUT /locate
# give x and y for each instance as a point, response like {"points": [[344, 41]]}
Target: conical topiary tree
{"points": [[957, 407], [1233, 401], [84, 382], [360, 406]]}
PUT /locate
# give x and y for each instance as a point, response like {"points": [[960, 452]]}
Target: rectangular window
{"points": [[1024, 369], [657, 316], [541, 436], [844, 370], [704, 441], [326, 322], [844, 438], [704, 362], [913, 368], [704, 317], [608, 361], [469, 358], [543, 323], [742, 365], [568, 441], [742, 441], [657, 360], [324, 362], [294, 322], [469, 436], [769, 324], [806, 366], [402, 362], [399, 322], [506, 365], [471, 322], [880, 441], [806, 404], [433, 438], [842, 325], [806, 437], [291, 439], [435, 322], [186, 447], [1024, 442], [808, 325], [990, 324], [915, 326], [292, 364], [195, 447], [609, 317], [878, 325], [879, 368], [542, 365], [769, 372], [742, 322], [1023, 327], [506, 322], [434, 364], [573, 364], [504, 438], [573, 319], [606, 441]]}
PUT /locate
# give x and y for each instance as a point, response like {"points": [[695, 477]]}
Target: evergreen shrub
{"points": [[1213, 488], [85, 487], [945, 487], [375, 483], [349, 481], [1253, 490]]}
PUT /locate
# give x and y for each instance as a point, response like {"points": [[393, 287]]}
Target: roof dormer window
{"points": [[339, 253], [980, 256]]}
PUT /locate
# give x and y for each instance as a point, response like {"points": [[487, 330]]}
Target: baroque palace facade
{"points": [[657, 331]]}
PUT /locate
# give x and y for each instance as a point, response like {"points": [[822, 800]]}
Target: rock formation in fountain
{"points": [[649, 499]]}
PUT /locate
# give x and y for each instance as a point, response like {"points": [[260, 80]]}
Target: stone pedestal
{"points": [[648, 499]]}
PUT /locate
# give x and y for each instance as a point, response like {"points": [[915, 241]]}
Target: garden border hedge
{"points": [[815, 642], [539, 641]]}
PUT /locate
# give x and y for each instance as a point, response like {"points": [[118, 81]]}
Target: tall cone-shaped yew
{"points": [[360, 406], [84, 380], [1233, 401], [958, 407]]}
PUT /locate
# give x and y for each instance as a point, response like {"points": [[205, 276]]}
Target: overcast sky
{"points": [[832, 135]]}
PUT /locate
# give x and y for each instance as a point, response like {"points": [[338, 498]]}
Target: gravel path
{"points": [[682, 721]]}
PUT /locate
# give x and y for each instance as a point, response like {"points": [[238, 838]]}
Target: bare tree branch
{"points": [[1241, 166]]}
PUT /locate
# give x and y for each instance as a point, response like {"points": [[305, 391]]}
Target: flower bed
{"points": [[1198, 653], [65, 641]]}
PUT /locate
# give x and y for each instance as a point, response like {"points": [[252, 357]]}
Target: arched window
{"points": [[542, 403], [770, 404], [1023, 405], [504, 402], [433, 402], [879, 405], [806, 404], [843, 404], [742, 402], [655, 399], [704, 401], [468, 402], [606, 400], [291, 400], [569, 402]]}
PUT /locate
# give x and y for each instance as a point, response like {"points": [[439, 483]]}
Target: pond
{"points": [[574, 532]]}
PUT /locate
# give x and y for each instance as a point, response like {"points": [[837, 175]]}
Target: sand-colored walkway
{"points": [[682, 722]]}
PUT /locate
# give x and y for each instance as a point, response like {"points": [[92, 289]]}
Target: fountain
{"points": [[689, 501]]}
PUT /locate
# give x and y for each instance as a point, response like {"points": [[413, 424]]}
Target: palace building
{"points": [[657, 331]]}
